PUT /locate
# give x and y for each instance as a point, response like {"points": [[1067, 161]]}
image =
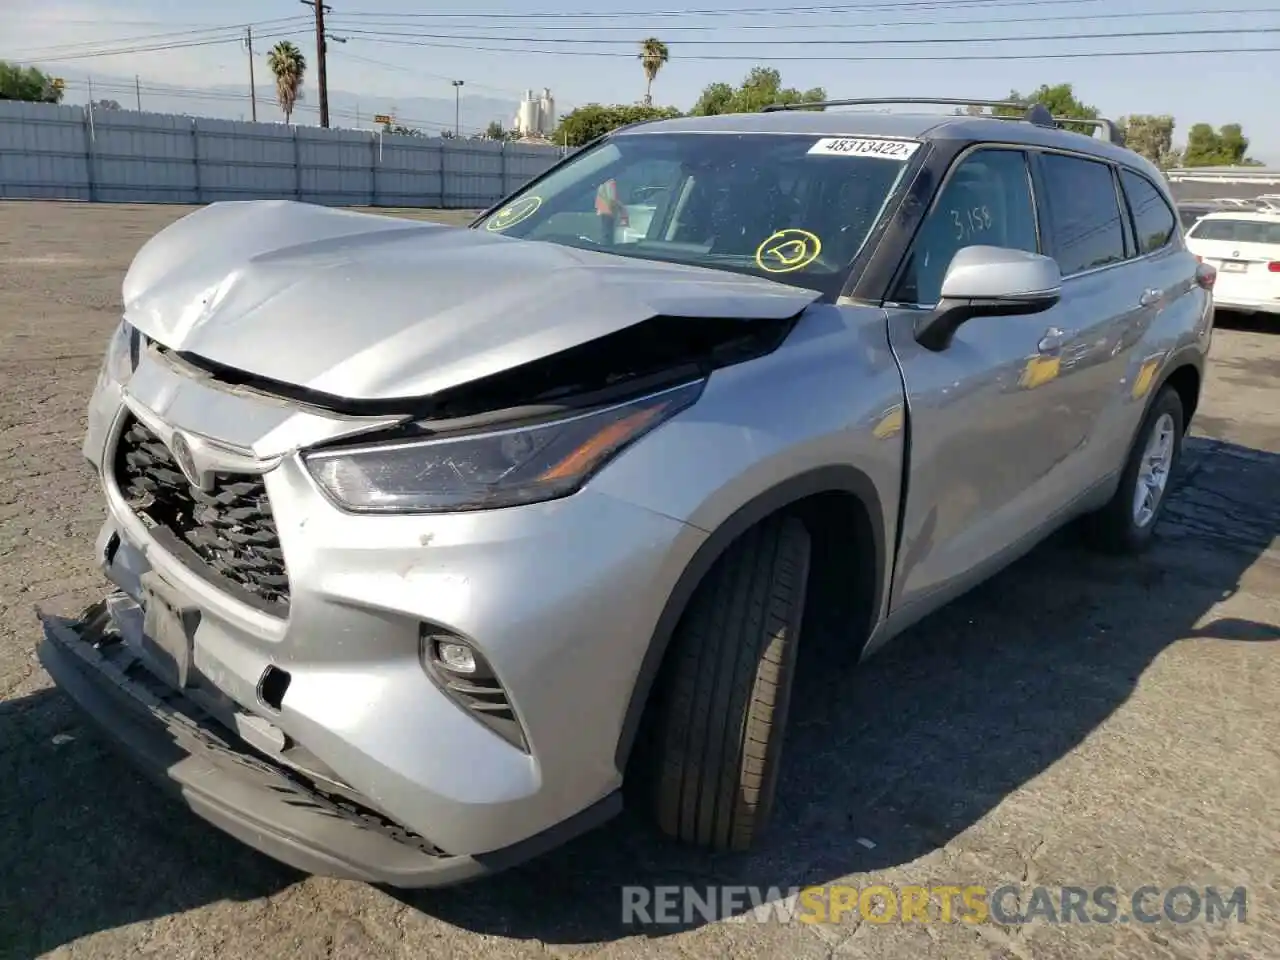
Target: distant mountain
{"points": [[431, 114], [346, 109]]}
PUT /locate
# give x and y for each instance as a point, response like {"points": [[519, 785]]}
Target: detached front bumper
{"points": [[170, 738]]}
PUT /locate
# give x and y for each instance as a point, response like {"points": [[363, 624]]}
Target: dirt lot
{"points": [[1076, 722]]}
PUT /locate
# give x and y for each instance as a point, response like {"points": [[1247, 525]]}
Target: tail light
{"points": [[1273, 266], [1206, 276]]}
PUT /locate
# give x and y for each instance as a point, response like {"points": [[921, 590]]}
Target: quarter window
{"points": [[1151, 214], [1087, 226], [987, 201]]}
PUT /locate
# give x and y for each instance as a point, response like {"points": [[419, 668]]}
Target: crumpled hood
{"points": [[364, 306]]}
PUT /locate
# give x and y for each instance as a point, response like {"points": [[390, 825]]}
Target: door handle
{"points": [[1149, 297], [1051, 342]]}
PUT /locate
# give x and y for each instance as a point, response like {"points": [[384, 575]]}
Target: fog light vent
{"points": [[273, 686], [462, 672]]}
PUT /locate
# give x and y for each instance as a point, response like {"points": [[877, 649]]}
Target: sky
{"points": [[587, 51]]}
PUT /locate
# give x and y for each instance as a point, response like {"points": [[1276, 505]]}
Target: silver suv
{"points": [[425, 539]]}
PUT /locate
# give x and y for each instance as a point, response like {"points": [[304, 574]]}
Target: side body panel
{"points": [[830, 396], [1025, 422], [990, 443]]}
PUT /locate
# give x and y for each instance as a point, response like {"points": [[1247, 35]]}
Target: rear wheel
{"points": [[722, 699], [1127, 523]]}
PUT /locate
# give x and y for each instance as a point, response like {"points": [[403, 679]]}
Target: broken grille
{"points": [[227, 534]]}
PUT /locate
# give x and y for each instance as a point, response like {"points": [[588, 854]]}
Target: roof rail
{"points": [[1035, 113]]}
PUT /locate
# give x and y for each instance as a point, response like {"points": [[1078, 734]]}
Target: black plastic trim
{"points": [[255, 801], [833, 479], [877, 266], [480, 695]]}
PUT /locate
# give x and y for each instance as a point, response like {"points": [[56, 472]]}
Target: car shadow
{"points": [[89, 845], [885, 762], [1250, 322]]}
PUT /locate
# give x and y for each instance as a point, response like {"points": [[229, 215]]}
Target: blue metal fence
{"points": [[50, 151]]}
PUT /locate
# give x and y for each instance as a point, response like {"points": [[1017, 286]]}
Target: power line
{"points": [[471, 84], [757, 58], [775, 10], [154, 48], [854, 42], [984, 21], [50, 52]]}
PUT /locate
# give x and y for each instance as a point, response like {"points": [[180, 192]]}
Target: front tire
{"points": [[725, 689], [1127, 523]]}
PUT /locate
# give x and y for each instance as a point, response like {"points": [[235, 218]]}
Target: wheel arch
{"points": [[1185, 373], [852, 524]]}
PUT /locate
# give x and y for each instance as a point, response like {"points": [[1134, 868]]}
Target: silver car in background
{"points": [[424, 540]]}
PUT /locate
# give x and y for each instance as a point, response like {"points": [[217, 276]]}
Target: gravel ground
{"points": [[1077, 721]]}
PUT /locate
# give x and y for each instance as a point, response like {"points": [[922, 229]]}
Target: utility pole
{"points": [[253, 90], [457, 108], [322, 80], [137, 91]]}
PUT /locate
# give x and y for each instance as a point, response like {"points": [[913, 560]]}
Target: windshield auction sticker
{"points": [[522, 209], [865, 147], [788, 250]]}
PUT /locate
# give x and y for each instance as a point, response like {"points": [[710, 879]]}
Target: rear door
{"points": [[1110, 295]]}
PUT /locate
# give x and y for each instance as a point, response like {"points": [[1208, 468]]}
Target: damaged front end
{"points": [[196, 745], [303, 519], [533, 433]]}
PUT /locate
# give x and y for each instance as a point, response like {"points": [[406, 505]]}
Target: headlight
{"points": [[122, 353], [498, 469]]}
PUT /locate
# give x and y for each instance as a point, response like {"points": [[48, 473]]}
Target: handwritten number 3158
{"points": [[971, 221]]}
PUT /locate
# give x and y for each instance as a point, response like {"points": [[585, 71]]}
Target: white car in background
{"points": [[1244, 247]]}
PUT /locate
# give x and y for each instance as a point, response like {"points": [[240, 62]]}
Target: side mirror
{"points": [[992, 282]]}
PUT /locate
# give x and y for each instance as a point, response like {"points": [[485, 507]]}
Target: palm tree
{"points": [[653, 54], [289, 67]]}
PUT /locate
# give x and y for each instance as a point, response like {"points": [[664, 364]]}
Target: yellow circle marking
{"points": [[788, 250], [521, 210]]}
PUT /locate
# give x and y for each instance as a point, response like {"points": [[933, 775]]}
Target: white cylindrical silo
{"points": [[527, 119], [547, 111]]}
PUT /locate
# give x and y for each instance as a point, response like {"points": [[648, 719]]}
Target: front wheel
{"points": [[1127, 523], [725, 688]]}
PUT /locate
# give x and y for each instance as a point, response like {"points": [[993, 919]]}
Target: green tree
{"points": [[1151, 136], [653, 57], [289, 67], [495, 131], [400, 130], [1225, 147], [1059, 99], [584, 124], [29, 84], [761, 87]]}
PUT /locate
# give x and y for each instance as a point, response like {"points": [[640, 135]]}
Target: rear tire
{"points": [[1126, 525], [725, 689]]}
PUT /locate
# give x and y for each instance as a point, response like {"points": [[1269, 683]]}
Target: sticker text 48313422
{"points": [[866, 147]]}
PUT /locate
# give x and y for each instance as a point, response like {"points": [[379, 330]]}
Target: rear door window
{"points": [[1237, 231], [1088, 230], [1152, 217]]}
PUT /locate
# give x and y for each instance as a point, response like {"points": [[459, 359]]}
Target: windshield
{"points": [[788, 207], [1237, 231]]}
